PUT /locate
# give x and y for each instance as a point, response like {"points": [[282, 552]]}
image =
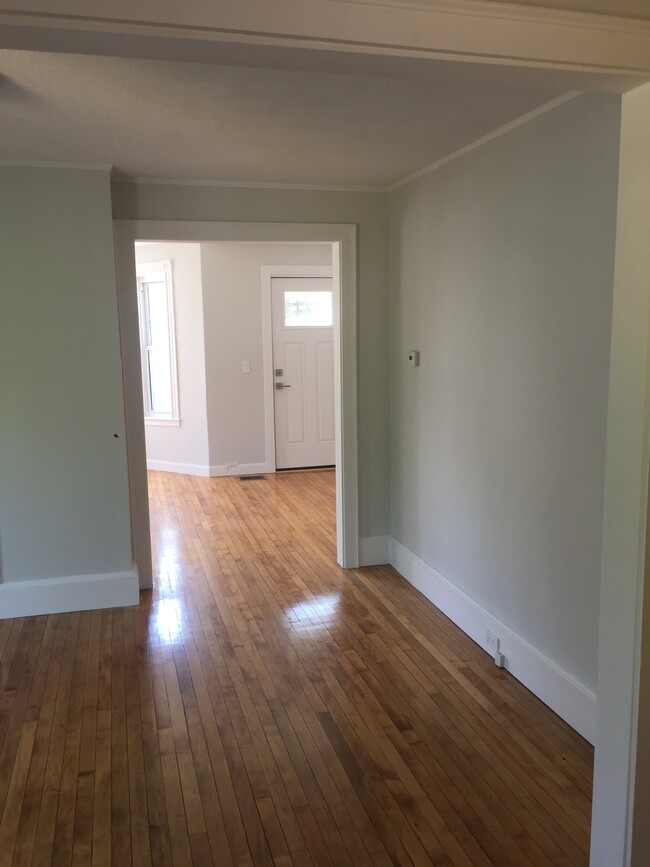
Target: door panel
{"points": [[303, 350], [325, 390], [294, 373]]}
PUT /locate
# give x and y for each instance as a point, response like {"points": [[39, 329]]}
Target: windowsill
{"points": [[162, 422]]}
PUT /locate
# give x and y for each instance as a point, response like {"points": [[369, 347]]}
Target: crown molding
{"points": [[212, 20], [48, 164], [490, 136], [247, 185], [515, 12]]}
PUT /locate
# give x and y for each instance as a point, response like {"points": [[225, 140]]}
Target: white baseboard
{"points": [[73, 593], [172, 467], [239, 470], [569, 698], [373, 550], [207, 471]]}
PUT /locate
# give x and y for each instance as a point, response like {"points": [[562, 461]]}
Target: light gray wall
{"points": [[369, 211], [188, 443], [64, 501], [502, 278], [232, 300], [218, 317]]}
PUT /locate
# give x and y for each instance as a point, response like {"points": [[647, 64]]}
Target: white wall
{"points": [[218, 313], [232, 301], [502, 278], [369, 211], [183, 448], [64, 500]]}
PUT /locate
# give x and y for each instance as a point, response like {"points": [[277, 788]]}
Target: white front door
{"points": [[303, 367]]}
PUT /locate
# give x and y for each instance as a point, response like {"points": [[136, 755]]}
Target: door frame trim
{"points": [[343, 238], [268, 273]]}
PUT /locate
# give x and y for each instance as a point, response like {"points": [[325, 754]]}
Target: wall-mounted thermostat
{"points": [[414, 358]]}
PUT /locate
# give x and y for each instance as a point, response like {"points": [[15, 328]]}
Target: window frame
{"points": [[144, 275]]}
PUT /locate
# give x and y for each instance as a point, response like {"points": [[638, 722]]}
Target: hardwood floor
{"points": [[263, 707]]}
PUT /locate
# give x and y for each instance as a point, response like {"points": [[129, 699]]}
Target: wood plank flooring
{"points": [[263, 707]]}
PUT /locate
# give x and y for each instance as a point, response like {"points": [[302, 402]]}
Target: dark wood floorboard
{"points": [[263, 707]]}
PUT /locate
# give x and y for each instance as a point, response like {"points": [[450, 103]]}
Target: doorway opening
{"points": [[225, 415]]}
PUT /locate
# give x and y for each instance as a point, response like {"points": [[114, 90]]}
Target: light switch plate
{"points": [[245, 367]]}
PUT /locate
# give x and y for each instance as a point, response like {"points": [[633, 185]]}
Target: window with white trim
{"points": [[158, 342]]}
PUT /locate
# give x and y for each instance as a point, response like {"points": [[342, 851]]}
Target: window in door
{"points": [[308, 309], [158, 343]]}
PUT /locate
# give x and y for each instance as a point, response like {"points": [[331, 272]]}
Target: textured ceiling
{"points": [[198, 121]]}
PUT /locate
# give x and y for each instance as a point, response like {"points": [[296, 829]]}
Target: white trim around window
{"points": [[161, 343], [159, 421]]}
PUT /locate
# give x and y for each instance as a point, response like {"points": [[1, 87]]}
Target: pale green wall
{"points": [[64, 504], [502, 272], [369, 211]]}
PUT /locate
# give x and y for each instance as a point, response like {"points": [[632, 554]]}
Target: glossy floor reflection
{"points": [[317, 613], [166, 622], [263, 707]]}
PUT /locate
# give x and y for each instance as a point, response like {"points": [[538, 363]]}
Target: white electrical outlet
{"points": [[491, 642]]}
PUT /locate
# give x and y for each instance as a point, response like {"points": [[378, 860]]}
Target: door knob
{"points": [[280, 385]]}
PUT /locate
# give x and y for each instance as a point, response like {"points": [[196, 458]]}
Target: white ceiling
{"points": [[162, 119]]}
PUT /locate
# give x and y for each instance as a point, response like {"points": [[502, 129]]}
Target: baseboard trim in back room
{"points": [[373, 550], [207, 471]]}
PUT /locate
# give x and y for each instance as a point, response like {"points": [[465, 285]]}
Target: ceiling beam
{"points": [[613, 50]]}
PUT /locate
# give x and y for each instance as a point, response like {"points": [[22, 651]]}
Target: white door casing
{"points": [[303, 349], [343, 238]]}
